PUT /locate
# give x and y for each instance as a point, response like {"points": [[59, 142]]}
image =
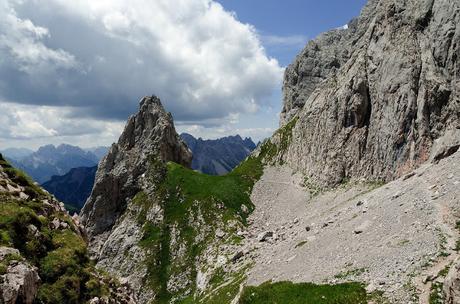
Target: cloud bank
{"points": [[93, 60]]}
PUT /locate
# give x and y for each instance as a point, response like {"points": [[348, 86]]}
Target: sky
{"points": [[74, 71]]}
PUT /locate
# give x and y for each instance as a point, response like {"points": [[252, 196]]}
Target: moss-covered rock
{"points": [[46, 237]]}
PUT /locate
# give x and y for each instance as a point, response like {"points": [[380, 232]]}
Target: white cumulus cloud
{"points": [[98, 58]]}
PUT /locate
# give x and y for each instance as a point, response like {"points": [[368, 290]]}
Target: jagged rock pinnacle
{"points": [[149, 133]]}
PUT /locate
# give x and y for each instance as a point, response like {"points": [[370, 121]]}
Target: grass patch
{"points": [[67, 275], [22, 179], [194, 205], [304, 293], [436, 294]]}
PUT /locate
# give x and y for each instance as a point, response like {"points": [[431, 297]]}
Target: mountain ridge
{"points": [[218, 156], [51, 160]]}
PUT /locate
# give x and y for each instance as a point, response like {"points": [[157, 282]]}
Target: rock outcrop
{"points": [[452, 284], [166, 229], [43, 253], [20, 282], [370, 100], [149, 133]]}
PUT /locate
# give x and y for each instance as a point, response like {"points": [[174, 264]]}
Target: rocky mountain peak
{"points": [[149, 133], [370, 101]]}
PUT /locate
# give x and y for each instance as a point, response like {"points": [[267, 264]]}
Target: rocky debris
{"points": [[446, 145], [392, 244], [20, 282], [264, 236], [220, 233], [237, 256], [371, 100], [119, 292], [120, 174], [451, 287]]}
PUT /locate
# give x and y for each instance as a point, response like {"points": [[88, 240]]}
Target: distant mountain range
{"points": [[50, 160], [16, 153], [68, 172], [72, 188], [219, 156]]}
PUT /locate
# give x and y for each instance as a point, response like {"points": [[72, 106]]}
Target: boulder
{"points": [[20, 282]]}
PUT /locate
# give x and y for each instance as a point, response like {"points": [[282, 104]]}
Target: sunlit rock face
{"points": [[371, 99]]}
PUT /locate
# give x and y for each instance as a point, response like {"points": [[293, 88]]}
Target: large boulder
{"points": [[20, 282]]}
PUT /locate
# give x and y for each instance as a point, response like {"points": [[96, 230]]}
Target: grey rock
{"points": [[237, 256], [21, 281], [264, 236], [110, 217], [149, 133], [446, 145], [451, 288], [371, 100], [219, 233]]}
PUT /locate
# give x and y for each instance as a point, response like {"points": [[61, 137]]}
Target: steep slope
{"points": [[370, 100], [50, 160], [43, 253], [72, 188], [173, 233], [218, 156], [398, 238]]}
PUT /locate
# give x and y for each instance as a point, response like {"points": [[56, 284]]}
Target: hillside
{"points": [[218, 156], [43, 253]]}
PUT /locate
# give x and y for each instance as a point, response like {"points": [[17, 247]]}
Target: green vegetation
{"points": [[185, 194], [20, 178], [304, 293], [194, 206], [349, 273], [436, 294], [67, 275]]}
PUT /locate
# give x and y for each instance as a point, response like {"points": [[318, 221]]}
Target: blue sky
{"points": [[74, 71], [293, 18], [284, 28]]}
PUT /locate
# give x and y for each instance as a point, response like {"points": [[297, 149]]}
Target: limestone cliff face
{"points": [[120, 173], [370, 100]]}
